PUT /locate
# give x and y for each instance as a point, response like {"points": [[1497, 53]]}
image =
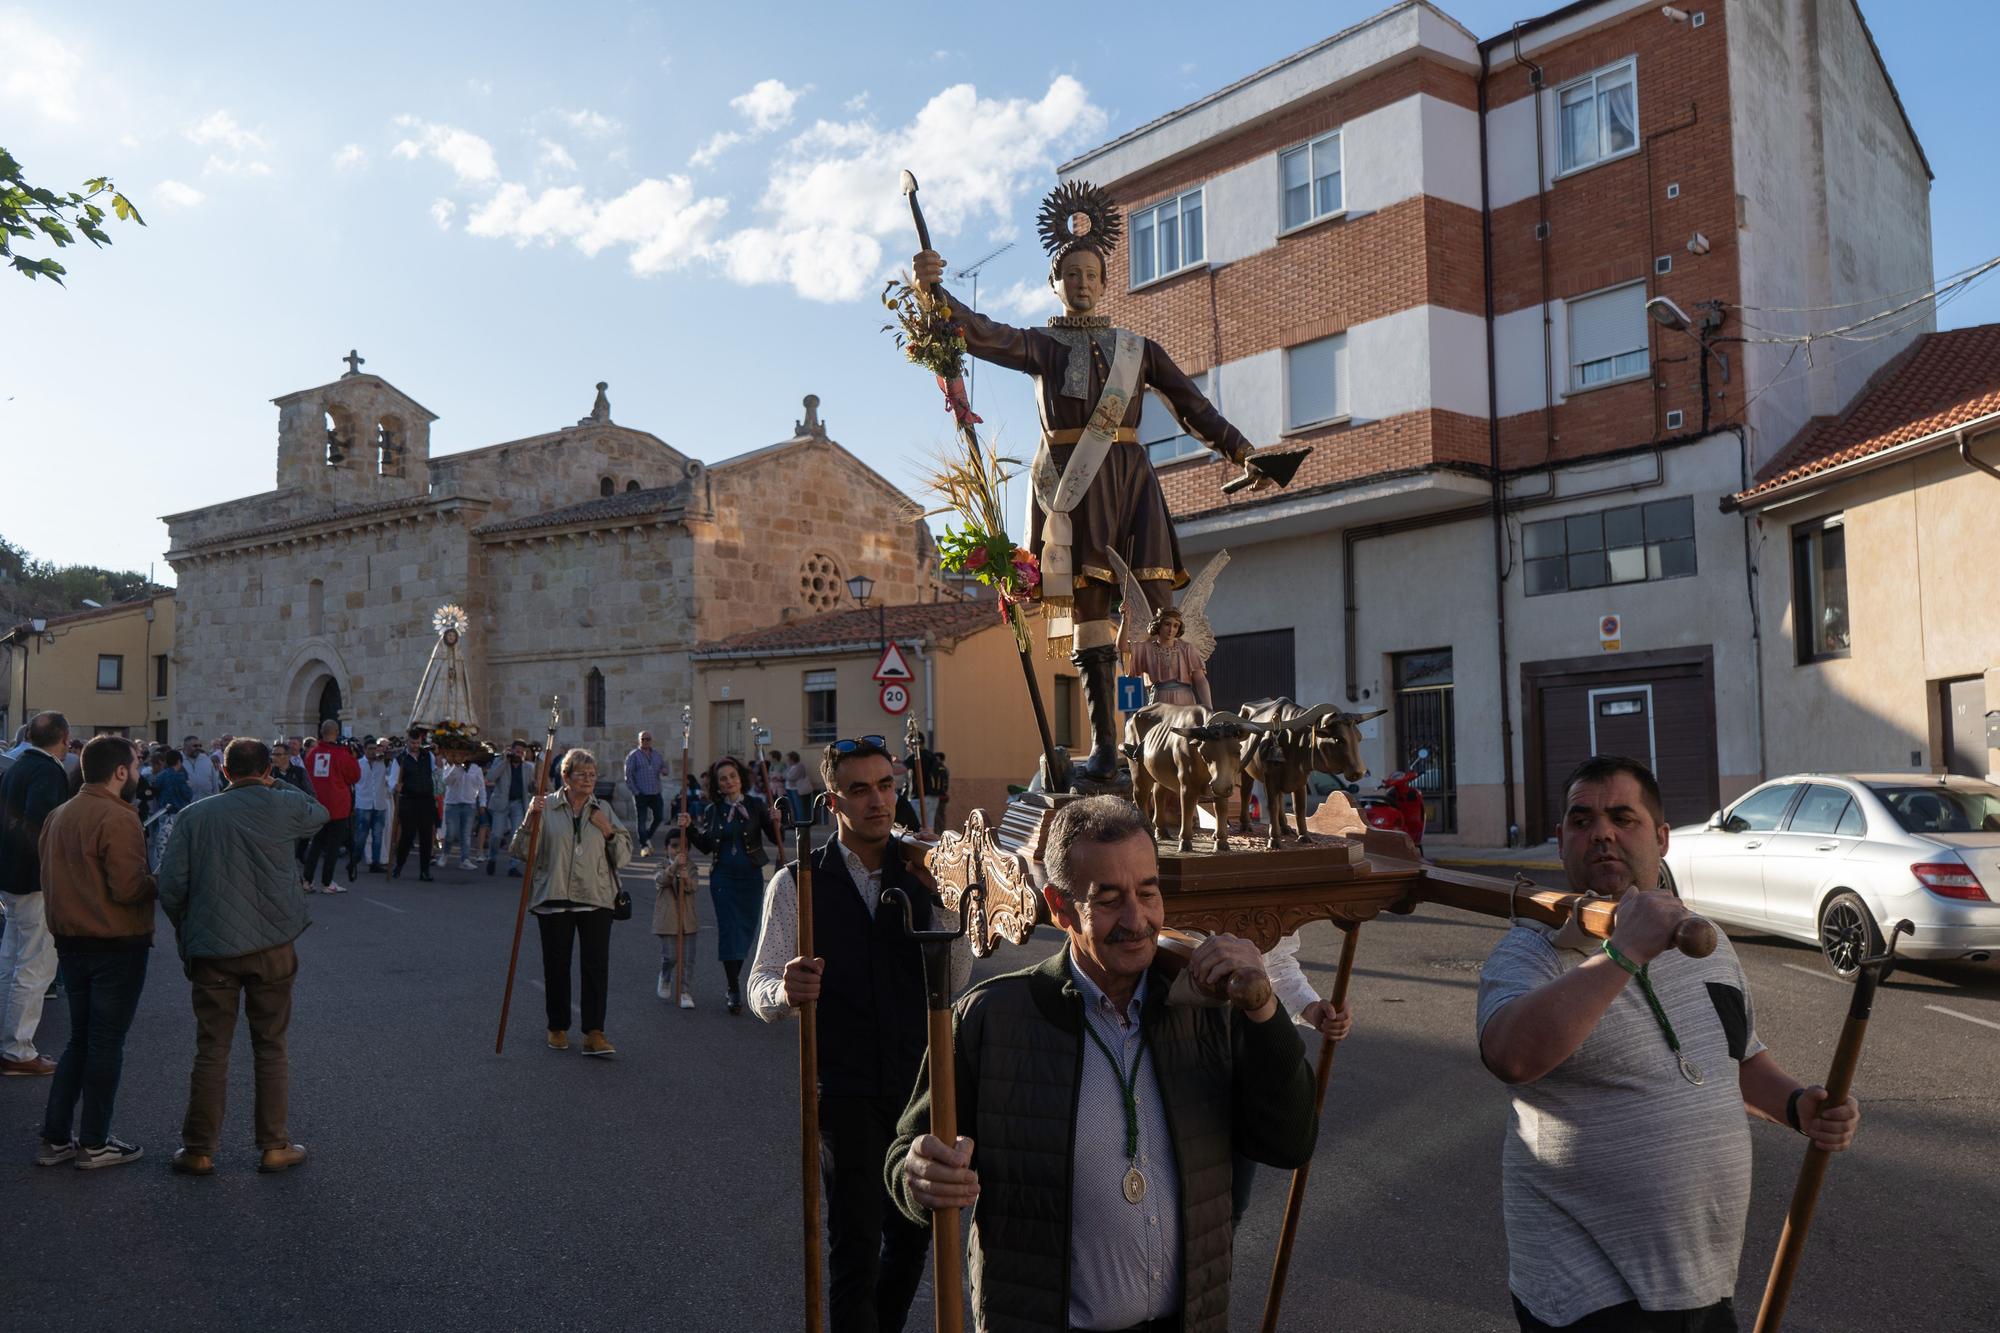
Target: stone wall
{"points": [[561, 468]]}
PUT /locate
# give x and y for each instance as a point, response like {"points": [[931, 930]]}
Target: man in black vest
{"points": [[415, 784], [868, 981]]}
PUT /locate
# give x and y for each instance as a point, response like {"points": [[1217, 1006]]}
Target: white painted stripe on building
{"points": [[1953, 1013], [1517, 356]]}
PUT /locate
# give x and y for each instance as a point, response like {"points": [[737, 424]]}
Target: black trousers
{"points": [[654, 805], [1629, 1318], [876, 1255], [334, 837], [416, 821], [592, 932]]}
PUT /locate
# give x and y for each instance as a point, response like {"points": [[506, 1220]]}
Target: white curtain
{"points": [[1621, 117]]}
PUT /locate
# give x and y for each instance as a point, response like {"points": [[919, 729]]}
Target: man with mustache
{"points": [[1099, 1210], [1626, 1173]]}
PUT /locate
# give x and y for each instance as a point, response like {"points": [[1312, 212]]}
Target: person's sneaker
{"points": [[595, 1044], [190, 1163], [647, 850], [333, 888], [467, 863], [663, 988], [35, 1066], [55, 1154], [112, 1152], [735, 1003], [687, 999], [281, 1159], [397, 873], [558, 1041]]}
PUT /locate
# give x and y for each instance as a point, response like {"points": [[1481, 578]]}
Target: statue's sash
{"points": [[1058, 492]]}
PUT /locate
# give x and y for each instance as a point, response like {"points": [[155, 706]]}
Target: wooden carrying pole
{"points": [[1812, 1172], [683, 877], [1295, 1199], [1489, 896], [808, 1083], [528, 875]]}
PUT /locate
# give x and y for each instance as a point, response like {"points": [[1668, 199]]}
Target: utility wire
{"points": [[1932, 285], [1847, 332]]}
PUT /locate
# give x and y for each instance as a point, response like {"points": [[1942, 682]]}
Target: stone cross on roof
{"points": [[354, 362]]}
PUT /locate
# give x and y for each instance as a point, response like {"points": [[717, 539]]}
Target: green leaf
{"points": [[123, 207]]}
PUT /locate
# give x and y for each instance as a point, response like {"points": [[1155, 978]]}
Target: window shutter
{"points": [[1607, 324]]}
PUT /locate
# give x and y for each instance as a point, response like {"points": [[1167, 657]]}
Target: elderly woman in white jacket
{"points": [[576, 881]]}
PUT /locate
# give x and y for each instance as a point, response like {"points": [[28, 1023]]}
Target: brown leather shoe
{"points": [[558, 1041], [282, 1159], [39, 1066], [192, 1163], [595, 1044]]}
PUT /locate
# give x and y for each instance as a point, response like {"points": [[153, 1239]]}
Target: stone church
{"points": [[590, 560]]}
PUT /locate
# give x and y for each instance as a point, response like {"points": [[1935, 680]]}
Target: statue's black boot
{"points": [[1098, 669]]}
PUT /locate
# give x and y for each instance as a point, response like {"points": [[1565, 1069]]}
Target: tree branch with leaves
{"points": [[31, 213]]}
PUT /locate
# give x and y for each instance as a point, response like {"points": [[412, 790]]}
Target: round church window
{"points": [[820, 586]]}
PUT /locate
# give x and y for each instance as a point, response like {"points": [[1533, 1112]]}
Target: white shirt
{"points": [[201, 775], [778, 943], [1288, 982], [372, 792], [464, 785]]}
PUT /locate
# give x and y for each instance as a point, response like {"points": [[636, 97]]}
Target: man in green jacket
{"points": [[230, 884], [1100, 1118]]}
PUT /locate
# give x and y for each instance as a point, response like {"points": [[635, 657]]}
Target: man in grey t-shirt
{"points": [[1625, 1178]]}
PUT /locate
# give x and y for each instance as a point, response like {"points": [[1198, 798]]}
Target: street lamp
{"points": [[860, 587]]}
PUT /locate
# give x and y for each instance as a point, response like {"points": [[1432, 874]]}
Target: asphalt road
{"points": [[450, 1188]]}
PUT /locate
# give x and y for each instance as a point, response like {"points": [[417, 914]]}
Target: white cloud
{"points": [[855, 104], [218, 129], [234, 166], [483, 87], [556, 156], [768, 105], [1027, 299], [39, 68], [831, 198], [720, 142], [469, 156], [441, 212], [173, 194], [590, 124], [350, 157], [662, 223]]}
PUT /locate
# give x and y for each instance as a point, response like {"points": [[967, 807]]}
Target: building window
{"points": [[1819, 588], [110, 671], [822, 718], [1607, 337], [316, 607], [1315, 382], [1424, 719], [1599, 117], [159, 675], [632, 485], [606, 486], [1160, 430], [1167, 238], [1309, 177], [593, 698], [1065, 719], [1642, 543]]}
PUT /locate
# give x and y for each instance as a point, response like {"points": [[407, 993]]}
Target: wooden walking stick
{"points": [[1812, 1172], [808, 1079], [528, 875], [947, 1249], [683, 876], [1295, 1200]]}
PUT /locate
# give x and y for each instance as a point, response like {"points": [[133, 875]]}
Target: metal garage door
{"points": [[1661, 716]]}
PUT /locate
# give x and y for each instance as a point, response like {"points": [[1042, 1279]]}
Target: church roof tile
{"points": [[626, 504]]}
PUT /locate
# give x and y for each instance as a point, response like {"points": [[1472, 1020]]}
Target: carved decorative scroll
{"points": [[1007, 908]]}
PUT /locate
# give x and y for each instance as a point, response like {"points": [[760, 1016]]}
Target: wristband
{"points": [[1792, 1109], [1611, 952]]}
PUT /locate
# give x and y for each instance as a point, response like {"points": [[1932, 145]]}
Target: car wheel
{"points": [[1847, 934]]}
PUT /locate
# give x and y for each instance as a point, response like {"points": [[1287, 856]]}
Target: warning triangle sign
{"points": [[892, 666]]}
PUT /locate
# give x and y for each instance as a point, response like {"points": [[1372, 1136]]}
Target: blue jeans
{"points": [[103, 990], [507, 816], [458, 826], [368, 826]]}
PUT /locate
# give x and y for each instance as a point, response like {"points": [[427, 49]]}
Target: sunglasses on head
{"points": [[863, 743]]}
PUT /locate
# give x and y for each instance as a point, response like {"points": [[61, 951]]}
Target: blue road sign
{"points": [[1131, 693]]}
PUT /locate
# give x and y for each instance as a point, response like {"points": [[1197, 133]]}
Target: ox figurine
{"points": [[1296, 743], [1190, 753]]}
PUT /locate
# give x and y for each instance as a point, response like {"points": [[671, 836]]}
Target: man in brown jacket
{"points": [[99, 900]]}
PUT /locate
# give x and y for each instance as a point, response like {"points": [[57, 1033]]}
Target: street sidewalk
{"points": [[1536, 856]]}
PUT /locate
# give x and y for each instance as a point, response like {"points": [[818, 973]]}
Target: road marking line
{"points": [[536, 984], [1983, 1022], [379, 903], [1814, 972]]}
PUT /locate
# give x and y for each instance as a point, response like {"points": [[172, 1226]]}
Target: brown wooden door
{"points": [[1663, 716]]}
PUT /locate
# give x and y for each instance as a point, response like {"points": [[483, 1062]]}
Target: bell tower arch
{"points": [[358, 438]]}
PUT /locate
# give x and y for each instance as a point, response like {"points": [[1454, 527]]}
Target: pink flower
{"points": [[976, 558]]}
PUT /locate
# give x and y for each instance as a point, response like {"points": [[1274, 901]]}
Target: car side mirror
{"points": [[1714, 821]]}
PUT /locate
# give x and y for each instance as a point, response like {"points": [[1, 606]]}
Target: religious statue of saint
{"points": [[1094, 490], [445, 693]]}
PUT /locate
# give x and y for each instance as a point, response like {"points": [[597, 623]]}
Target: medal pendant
{"points": [[1135, 1186], [1691, 1071]]}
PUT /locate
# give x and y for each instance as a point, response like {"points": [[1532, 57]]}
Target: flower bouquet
{"points": [[970, 485], [927, 332], [459, 743]]}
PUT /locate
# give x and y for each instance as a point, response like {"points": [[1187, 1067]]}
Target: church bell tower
{"points": [[356, 439]]}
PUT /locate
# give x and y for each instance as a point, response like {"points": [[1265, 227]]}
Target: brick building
{"points": [[1433, 258], [591, 559]]}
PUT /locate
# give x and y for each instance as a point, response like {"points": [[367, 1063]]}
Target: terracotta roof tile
{"points": [[861, 627], [1944, 380], [626, 504]]}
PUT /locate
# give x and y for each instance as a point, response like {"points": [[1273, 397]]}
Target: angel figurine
{"points": [[445, 693], [1173, 657]]}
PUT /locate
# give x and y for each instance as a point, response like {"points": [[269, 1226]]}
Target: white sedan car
{"points": [[1834, 859]]}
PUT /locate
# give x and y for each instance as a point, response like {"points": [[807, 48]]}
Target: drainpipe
{"points": [[930, 692], [1750, 571], [1965, 456], [1499, 501], [1541, 237]]}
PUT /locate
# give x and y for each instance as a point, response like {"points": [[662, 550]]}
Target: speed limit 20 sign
{"points": [[895, 697]]}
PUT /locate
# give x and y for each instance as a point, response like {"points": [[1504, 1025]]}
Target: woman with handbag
{"points": [[733, 831], [576, 894]]}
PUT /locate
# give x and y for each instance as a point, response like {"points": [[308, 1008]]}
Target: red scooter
{"points": [[1398, 805]]}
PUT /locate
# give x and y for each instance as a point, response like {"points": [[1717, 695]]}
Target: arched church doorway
{"points": [[329, 701]]}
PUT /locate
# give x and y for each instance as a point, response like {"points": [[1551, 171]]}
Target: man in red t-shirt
{"points": [[332, 770]]}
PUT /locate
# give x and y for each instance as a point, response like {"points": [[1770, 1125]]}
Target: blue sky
{"points": [[502, 204]]}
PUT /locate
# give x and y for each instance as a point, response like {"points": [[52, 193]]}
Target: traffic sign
{"points": [[895, 697], [892, 666], [1610, 633], [1131, 693]]}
